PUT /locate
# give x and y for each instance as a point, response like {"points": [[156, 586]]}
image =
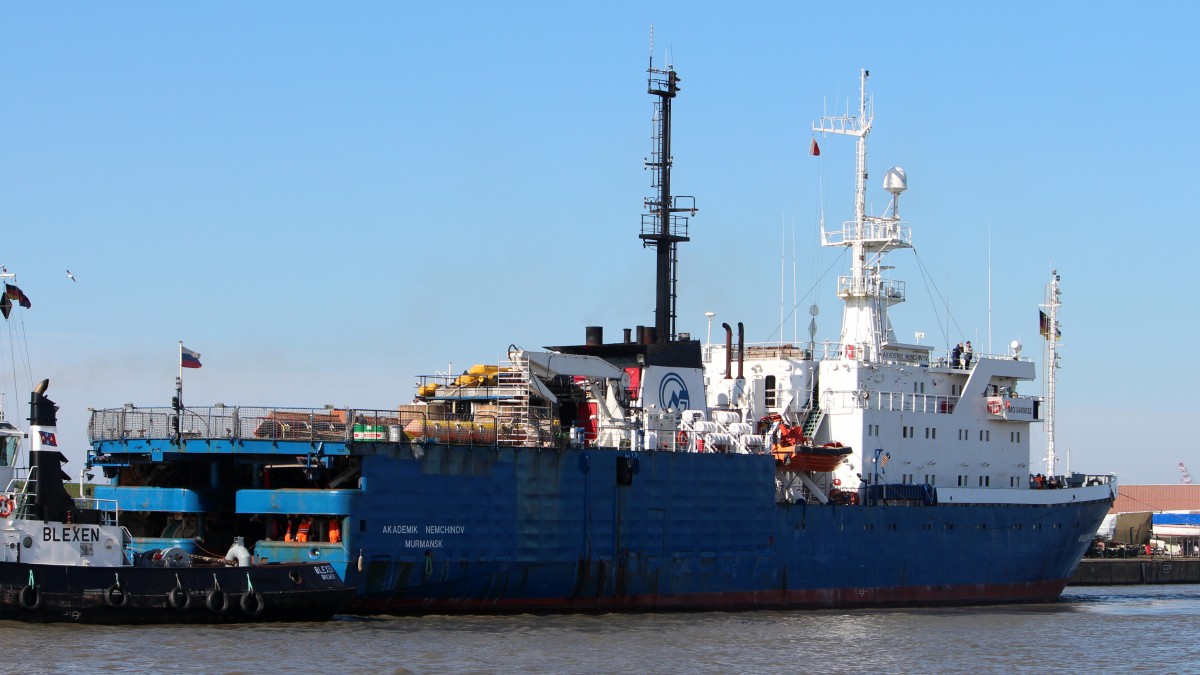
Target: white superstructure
{"points": [[911, 416]]}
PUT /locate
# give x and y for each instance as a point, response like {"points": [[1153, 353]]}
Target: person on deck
{"points": [[967, 354], [302, 531], [955, 355]]}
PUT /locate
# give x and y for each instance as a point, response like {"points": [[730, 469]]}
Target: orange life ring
{"points": [[837, 481], [681, 438], [6, 507], [850, 351]]}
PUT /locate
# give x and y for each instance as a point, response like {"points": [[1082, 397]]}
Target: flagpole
{"points": [[179, 381]]}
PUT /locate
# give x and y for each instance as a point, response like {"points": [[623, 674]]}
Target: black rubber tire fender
{"points": [[252, 603], [178, 598], [217, 601], [30, 597], [116, 596]]}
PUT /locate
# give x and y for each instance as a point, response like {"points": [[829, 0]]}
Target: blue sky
{"points": [[326, 201]]}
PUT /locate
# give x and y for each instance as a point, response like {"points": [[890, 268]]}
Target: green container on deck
{"points": [[370, 432]]}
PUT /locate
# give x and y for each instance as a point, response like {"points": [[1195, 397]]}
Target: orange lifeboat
{"points": [[795, 452]]}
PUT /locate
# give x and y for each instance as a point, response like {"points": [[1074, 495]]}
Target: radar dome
{"points": [[895, 180]]}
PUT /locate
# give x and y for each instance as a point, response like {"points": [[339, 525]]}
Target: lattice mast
{"points": [[866, 294], [662, 230], [1050, 331]]}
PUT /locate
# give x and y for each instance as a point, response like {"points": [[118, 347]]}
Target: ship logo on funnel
{"points": [[673, 393]]}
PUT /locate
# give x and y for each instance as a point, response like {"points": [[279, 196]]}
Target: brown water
{"points": [[1128, 629]]}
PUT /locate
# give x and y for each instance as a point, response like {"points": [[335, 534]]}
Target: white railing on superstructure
{"points": [[873, 230], [858, 286], [831, 350], [888, 401]]}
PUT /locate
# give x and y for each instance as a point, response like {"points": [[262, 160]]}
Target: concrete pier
{"points": [[1141, 570]]}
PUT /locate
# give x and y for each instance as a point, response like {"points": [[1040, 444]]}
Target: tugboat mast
{"points": [[661, 228]]}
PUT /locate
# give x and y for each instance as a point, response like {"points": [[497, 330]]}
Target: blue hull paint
{"points": [[470, 528], [445, 528]]}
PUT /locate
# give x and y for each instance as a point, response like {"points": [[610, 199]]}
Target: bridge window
{"points": [[769, 384]]}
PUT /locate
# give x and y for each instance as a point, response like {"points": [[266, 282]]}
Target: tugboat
{"points": [[67, 559]]}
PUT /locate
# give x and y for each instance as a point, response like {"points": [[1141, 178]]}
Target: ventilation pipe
{"points": [[741, 348], [728, 350]]}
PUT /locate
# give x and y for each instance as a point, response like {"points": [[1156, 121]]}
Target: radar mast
{"points": [[1050, 331], [662, 228], [867, 295]]}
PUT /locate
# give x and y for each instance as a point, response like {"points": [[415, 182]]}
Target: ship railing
{"points": [[218, 422], [109, 509], [533, 425], [889, 232], [944, 361], [860, 287], [773, 350], [677, 224], [888, 401], [19, 478]]}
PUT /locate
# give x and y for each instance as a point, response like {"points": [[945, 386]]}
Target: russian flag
{"points": [[188, 358]]}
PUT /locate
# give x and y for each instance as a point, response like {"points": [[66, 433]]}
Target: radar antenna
{"points": [[662, 229]]}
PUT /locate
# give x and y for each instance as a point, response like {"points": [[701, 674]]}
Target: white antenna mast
{"points": [[795, 299], [782, 277], [1049, 329], [989, 346], [866, 294]]}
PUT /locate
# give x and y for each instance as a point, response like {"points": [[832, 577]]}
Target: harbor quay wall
{"points": [[1127, 571]]}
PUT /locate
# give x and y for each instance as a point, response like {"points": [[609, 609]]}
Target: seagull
{"points": [[70, 276]]}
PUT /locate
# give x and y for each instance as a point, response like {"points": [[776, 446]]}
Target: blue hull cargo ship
{"points": [[651, 473]]}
